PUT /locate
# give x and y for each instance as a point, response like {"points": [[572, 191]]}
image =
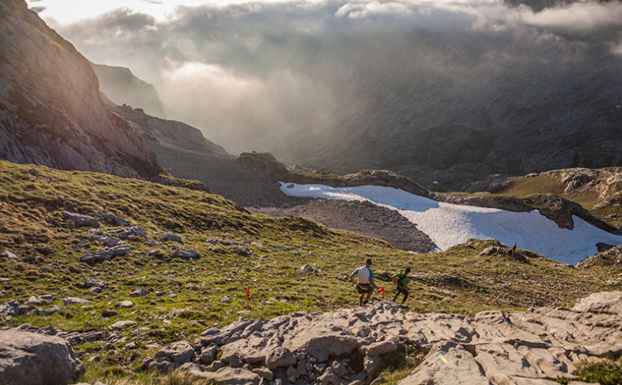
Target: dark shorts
{"points": [[364, 288]]}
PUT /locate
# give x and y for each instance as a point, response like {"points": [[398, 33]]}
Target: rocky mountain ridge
{"points": [[121, 86], [51, 111]]}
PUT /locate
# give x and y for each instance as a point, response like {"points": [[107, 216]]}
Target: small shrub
{"points": [[608, 372]]}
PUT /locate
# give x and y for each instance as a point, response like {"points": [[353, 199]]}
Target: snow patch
{"points": [[449, 224]]}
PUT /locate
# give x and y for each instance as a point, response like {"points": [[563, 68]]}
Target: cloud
{"points": [[250, 74]]}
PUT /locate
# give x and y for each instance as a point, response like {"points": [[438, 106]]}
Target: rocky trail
{"points": [[351, 346]]}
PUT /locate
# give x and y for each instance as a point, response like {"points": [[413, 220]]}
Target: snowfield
{"points": [[449, 224]]}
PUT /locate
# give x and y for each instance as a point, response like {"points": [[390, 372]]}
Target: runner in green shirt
{"points": [[401, 281]]}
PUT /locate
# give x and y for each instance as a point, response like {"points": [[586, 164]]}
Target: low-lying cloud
{"points": [[249, 75]]}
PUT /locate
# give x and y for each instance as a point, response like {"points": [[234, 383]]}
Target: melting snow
{"points": [[449, 224]]}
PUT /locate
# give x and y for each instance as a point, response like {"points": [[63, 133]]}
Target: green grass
{"points": [[29, 195], [606, 372], [604, 203]]}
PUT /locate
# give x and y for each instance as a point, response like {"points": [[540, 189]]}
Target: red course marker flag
{"points": [[248, 292], [491, 300], [598, 287], [382, 289]]}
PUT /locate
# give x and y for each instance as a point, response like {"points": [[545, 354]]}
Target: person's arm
{"points": [[351, 278], [371, 279]]}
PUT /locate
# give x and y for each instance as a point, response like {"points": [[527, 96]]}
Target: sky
{"points": [[71, 11], [251, 74]]}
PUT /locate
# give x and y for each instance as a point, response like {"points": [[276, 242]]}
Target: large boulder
{"points": [[603, 302], [180, 352], [322, 341], [81, 220], [35, 359], [223, 376], [280, 357]]}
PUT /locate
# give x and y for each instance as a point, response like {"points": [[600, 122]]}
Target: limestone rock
{"points": [[110, 218], [208, 355], [447, 364], [185, 254], [122, 324], [321, 342], [179, 352], [280, 357], [139, 293], [76, 301], [126, 304], [602, 302], [381, 348], [34, 359], [80, 220], [9, 255], [229, 376]]}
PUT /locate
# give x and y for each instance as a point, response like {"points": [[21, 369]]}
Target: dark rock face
{"points": [[34, 359], [51, 112], [122, 87], [363, 178]]}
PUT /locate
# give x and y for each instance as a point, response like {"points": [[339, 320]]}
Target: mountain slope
{"points": [[183, 293], [121, 86], [51, 111], [597, 190]]}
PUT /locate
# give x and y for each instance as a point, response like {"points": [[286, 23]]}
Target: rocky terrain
{"points": [[355, 346], [598, 191], [51, 111], [359, 217], [123, 268], [122, 87]]}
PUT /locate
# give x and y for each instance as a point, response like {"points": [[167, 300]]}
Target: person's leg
{"points": [[369, 294], [395, 298], [405, 296], [361, 299]]}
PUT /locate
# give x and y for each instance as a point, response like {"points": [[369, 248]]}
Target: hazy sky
{"points": [[248, 72], [69, 11]]}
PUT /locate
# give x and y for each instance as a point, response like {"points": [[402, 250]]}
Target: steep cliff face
{"points": [[122, 87], [51, 112]]}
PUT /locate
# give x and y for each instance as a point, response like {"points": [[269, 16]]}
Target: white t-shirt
{"points": [[364, 274]]}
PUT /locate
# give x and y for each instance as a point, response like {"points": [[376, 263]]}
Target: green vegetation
{"points": [[185, 295], [606, 372], [398, 364], [602, 199]]}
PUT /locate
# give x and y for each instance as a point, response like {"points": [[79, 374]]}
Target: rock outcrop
{"points": [[51, 111], [611, 257], [531, 346], [363, 178], [122, 87], [35, 359]]}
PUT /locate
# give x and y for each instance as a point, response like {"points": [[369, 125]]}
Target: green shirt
{"points": [[402, 279]]}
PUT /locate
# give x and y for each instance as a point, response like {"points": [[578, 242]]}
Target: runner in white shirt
{"points": [[365, 281]]}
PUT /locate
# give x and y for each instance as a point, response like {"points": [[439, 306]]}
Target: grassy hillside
{"points": [[597, 190], [186, 296]]}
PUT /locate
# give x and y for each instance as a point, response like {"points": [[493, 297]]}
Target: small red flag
{"points": [[490, 300], [598, 287], [248, 292], [582, 274], [382, 289]]}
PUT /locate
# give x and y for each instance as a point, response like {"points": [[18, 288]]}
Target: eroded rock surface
{"points": [[34, 359], [348, 345]]}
